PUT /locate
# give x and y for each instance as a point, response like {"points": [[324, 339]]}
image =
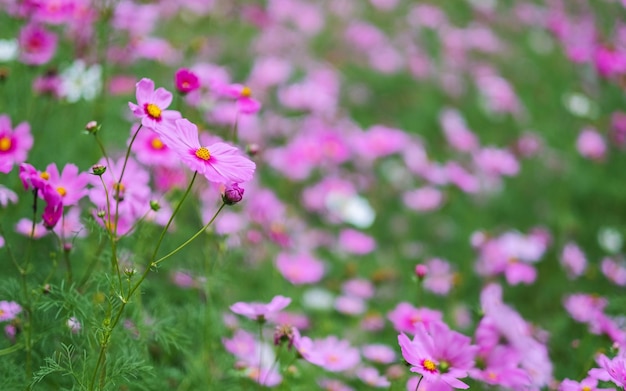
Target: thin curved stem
{"points": [[163, 258]]}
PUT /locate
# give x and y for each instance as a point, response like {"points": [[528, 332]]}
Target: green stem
{"points": [[169, 222], [107, 334], [163, 258], [119, 182]]}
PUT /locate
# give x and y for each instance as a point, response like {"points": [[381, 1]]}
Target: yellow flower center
{"points": [[1, 312], [156, 143], [44, 175], [61, 190], [493, 377], [119, 187], [246, 92], [5, 144], [429, 365], [153, 110], [203, 153], [586, 388]]}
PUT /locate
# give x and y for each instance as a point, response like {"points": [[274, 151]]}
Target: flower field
{"points": [[312, 194]]}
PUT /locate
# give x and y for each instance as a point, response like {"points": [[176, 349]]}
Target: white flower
{"points": [[318, 299], [78, 81], [610, 240], [352, 209], [8, 50]]}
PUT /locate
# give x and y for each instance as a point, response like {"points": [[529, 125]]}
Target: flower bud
{"points": [[92, 127], [98, 169], [284, 333], [421, 270], [232, 194], [154, 205]]}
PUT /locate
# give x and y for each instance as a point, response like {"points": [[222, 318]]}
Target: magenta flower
{"points": [[439, 354], [7, 196], [372, 377], [243, 94], [152, 104], [219, 162], [70, 184], [150, 150], [573, 260], [54, 207], [37, 45], [14, 143], [259, 311], [186, 81], [232, 194], [9, 310], [613, 370]]}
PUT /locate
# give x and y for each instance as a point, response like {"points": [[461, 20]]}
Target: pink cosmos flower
{"points": [[440, 277], [219, 162], [614, 271], [333, 354], [14, 143], [573, 260], [150, 150], [37, 45], [152, 104], [186, 81], [372, 377], [406, 318], [458, 135], [70, 226], [300, 268], [439, 354], [54, 207], [591, 145], [587, 384], [25, 227], [356, 242], [70, 184], [427, 198], [500, 368], [496, 162], [379, 353], [9, 310], [358, 287], [7, 196], [613, 370], [350, 305], [333, 385], [259, 311], [243, 94]]}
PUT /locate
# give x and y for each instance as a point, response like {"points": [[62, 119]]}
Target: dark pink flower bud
{"points": [[421, 270], [232, 194]]}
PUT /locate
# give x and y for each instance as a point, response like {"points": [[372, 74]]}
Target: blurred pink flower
{"points": [[9, 310], [300, 268], [37, 45], [456, 131], [614, 271], [573, 260], [14, 143], [259, 311], [427, 198], [358, 287], [495, 161], [406, 318], [378, 353], [440, 277], [372, 377], [350, 305], [590, 144], [356, 242], [333, 354]]}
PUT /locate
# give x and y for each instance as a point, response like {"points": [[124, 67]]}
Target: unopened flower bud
{"points": [[154, 205], [232, 194], [129, 271], [253, 149], [421, 270], [101, 214], [98, 169], [92, 127]]}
